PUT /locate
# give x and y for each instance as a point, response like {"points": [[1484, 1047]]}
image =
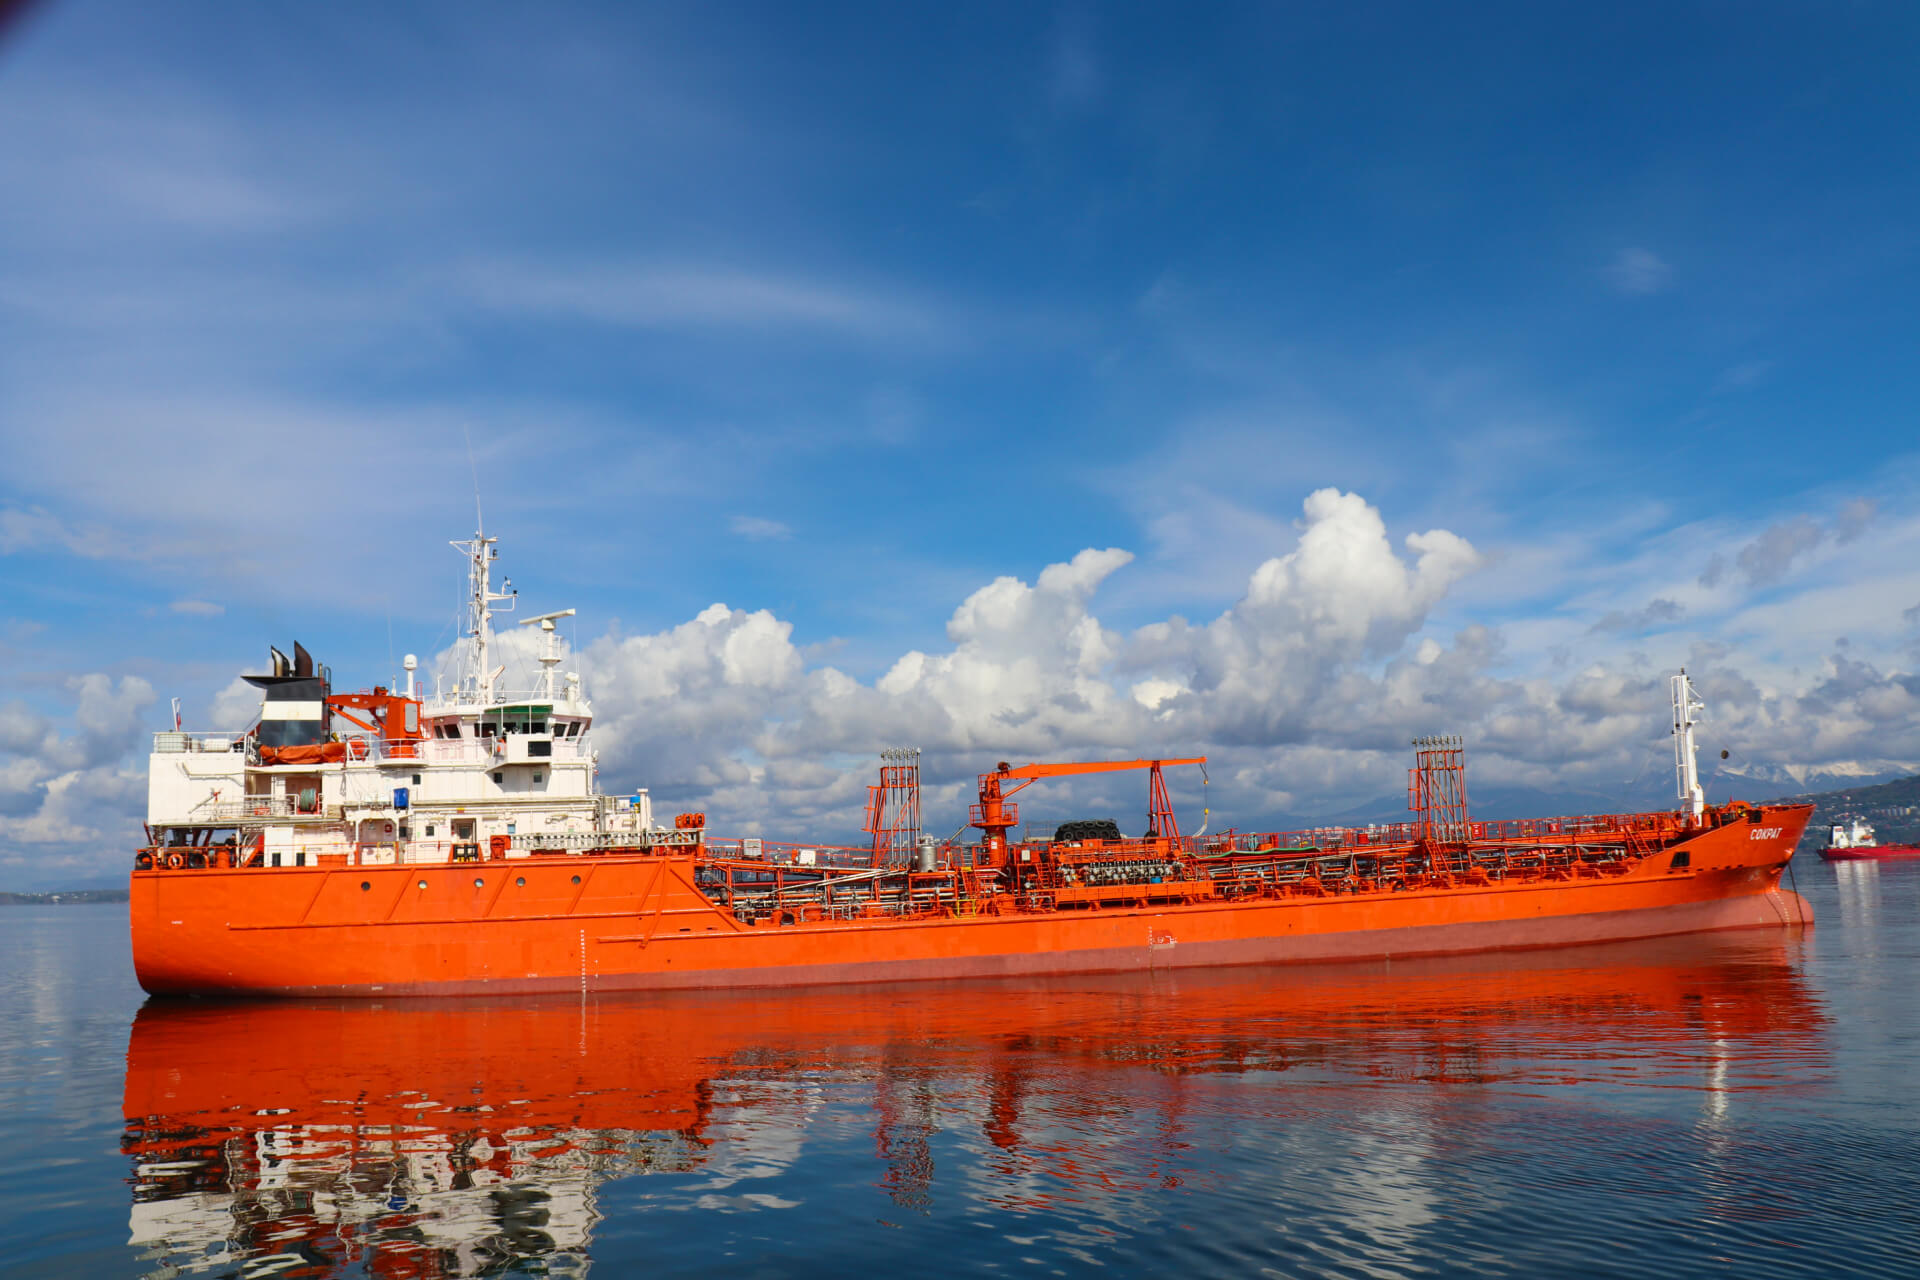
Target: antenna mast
{"points": [[480, 554], [1686, 766]]}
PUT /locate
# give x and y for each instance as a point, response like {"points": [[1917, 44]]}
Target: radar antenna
{"points": [[550, 655]]}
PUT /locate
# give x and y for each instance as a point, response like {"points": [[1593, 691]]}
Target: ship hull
{"points": [[1869, 853], [612, 923]]}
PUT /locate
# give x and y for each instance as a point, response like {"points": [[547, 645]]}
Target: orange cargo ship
{"points": [[299, 857]]}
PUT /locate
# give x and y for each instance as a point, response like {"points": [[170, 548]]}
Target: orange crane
{"points": [[395, 717], [993, 815]]}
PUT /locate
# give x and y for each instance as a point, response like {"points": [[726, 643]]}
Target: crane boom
{"points": [[1031, 772], [993, 815]]}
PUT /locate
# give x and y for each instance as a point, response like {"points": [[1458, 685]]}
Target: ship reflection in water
{"points": [[456, 1138]]}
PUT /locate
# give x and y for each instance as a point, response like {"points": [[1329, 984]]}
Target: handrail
{"points": [[1657, 822], [789, 853], [363, 747], [261, 807], [440, 704], [175, 740]]}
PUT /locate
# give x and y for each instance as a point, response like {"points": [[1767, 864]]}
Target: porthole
{"points": [[576, 880], [423, 885], [479, 882], [366, 885], [521, 881]]}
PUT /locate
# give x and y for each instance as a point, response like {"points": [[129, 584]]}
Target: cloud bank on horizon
{"points": [[1275, 391]]}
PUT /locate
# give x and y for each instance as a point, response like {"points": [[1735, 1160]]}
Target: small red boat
{"points": [[1854, 841]]}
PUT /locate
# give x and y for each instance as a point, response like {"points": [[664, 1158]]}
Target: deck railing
{"points": [[174, 740], [792, 853], [257, 809], [366, 747]]}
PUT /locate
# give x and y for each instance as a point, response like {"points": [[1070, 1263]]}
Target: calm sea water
{"points": [[1719, 1105]]}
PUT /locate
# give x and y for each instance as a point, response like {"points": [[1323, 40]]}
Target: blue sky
{"points": [[840, 314]]}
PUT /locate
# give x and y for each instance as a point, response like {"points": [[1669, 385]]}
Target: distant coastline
{"points": [[63, 896]]}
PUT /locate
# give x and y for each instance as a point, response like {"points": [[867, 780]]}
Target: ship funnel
{"points": [[302, 662], [278, 662]]}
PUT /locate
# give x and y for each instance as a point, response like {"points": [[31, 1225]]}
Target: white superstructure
{"points": [[1852, 835], [474, 770]]}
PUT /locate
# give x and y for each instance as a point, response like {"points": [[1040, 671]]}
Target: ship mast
{"points": [[550, 652], [1686, 766], [480, 555]]}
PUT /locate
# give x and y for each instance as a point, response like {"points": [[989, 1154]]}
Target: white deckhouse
{"points": [[472, 771]]}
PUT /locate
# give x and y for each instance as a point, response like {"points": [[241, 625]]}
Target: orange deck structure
{"points": [[700, 913]]}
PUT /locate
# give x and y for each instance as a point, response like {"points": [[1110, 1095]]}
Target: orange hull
{"points": [[622, 922]]}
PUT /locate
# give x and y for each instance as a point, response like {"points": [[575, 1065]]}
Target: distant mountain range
{"points": [[1826, 778], [8, 899]]}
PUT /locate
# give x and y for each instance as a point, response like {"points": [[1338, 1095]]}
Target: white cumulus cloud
{"points": [[66, 781], [1303, 693]]}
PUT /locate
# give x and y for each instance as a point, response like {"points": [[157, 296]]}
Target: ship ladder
{"points": [[647, 895]]}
